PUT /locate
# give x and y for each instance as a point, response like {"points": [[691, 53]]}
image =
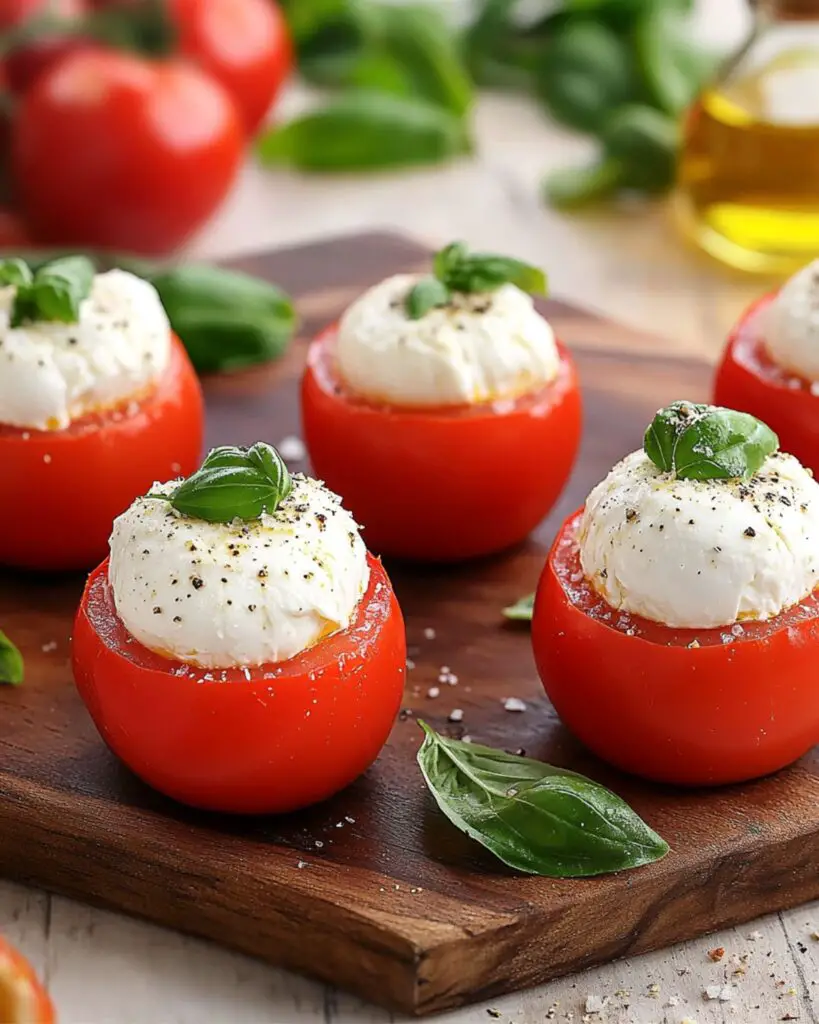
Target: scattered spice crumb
{"points": [[49, 647], [716, 954], [514, 704], [495, 1014], [596, 1004], [456, 715], [654, 990], [429, 633], [724, 993], [790, 1016], [673, 1001], [433, 692], [755, 936], [302, 864]]}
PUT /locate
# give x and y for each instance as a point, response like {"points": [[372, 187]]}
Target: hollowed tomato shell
{"points": [[250, 741], [441, 484], [749, 380], [62, 489], [693, 707]]}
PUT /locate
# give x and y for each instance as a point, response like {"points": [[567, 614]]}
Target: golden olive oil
{"points": [[748, 179]]}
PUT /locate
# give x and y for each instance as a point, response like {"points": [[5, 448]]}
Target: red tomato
{"points": [[26, 63], [69, 485], [13, 233], [655, 703], [244, 44], [441, 484], [113, 151], [748, 379], [247, 741], [23, 1000]]}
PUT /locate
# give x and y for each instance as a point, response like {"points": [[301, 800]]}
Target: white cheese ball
{"points": [[791, 324], [701, 554], [479, 348], [222, 595], [54, 373]]}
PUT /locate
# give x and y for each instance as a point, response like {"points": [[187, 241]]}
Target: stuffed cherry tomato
{"points": [[240, 650], [431, 390], [676, 624], [770, 366], [23, 999], [91, 411]]}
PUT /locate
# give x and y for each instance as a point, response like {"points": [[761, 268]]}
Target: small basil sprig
{"points": [[455, 269], [522, 610], [707, 442], [14, 271], [53, 292], [11, 662], [233, 483], [535, 818]]}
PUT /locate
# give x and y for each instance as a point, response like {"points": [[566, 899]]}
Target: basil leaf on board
{"points": [[14, 271], [707, 442], [449, 257], [11, 662], [366, 130], [226, 320], [428, 294], [522, 610], [533, 817], [55, 292], [233, 483]]}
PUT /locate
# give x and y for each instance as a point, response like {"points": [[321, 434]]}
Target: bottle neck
{"points": [[788, 10]]}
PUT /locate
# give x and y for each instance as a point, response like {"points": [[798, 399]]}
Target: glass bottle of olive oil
{"points": [[748, 181]]}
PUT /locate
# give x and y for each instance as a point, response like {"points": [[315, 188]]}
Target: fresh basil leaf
{"points": [[220, 494], [462, 271], [226, 320], [522, 610], [569, 188], [234, 483], [533, 817], [447, 259], [367, 130], [418, 39], [268, 461], [11, 662], [707, 442], [644, 141], [14, 271], [427, 294], [484, 272], [55, 292]]}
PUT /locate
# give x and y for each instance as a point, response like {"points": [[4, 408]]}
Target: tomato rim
{"points": [[127, 408], [646, 631], [372, 611], [539, 401]]}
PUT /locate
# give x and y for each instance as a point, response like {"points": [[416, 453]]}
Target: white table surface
{"points": [[102, 968]]}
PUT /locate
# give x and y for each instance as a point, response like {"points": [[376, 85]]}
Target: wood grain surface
{"points": [[373, 890]]}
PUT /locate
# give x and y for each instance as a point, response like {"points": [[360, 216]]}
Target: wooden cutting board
{"points": [[374, 890]]}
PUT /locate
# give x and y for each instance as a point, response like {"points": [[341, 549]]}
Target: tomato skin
{"points": [[24, 64], [113, 151], [427, 483], [291, 735], [748, 379], [69, 485], [656, 707], [13, 232], [244, 44], [21, 991]]}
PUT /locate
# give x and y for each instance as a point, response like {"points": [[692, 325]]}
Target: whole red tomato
{"points": [[244, 44], [13, 232], [24, 64], [115, 151]]}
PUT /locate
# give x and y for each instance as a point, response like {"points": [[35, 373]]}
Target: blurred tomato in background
{"points": [[123, 122]]}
